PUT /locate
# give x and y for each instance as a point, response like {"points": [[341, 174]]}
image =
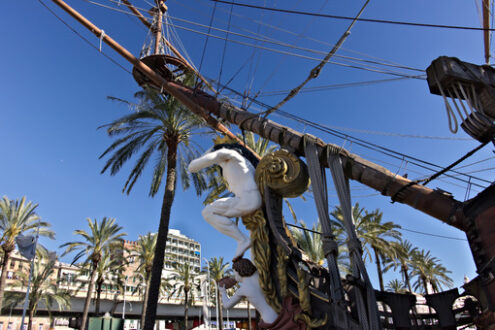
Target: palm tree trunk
{"points": [[145, 300], [379, 269], [161, 242], [249, 314], [30, 319], [98, 296], [220, 311], [406, 277], [3, 277], [88, 297], [186, 309]]}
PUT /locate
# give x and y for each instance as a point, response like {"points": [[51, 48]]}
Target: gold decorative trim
{"points": [[260, 248], [283, 172], [282, 260], [305, 302]]}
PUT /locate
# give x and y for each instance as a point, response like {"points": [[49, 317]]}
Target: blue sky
{"points": [[54, 88]]}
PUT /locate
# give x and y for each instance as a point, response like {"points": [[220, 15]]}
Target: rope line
{"points": [[225, 46], [83, 38], [424, 182], [401, 228], [370, 20], [372, 146], [315, 72]]}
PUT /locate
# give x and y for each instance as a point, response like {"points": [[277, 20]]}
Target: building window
{"points": [[10, 326], [12, 264], [40, 327], [10, 275]]}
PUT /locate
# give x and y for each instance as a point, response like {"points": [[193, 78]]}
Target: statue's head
{"points": [[244, 267], [243, 151]]}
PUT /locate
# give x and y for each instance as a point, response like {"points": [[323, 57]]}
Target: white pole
{"points": [[228, 321], [123, 307], [216, 299], [26, 299], [208, 293]]}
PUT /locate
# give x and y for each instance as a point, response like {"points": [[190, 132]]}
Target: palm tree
{"points": [[374, 234], [429, 271], [108, 270], [162, 128], [310, 241], [145, 253], [103, 235], [17, 217], [403, 250], [43, 288], [185, 282], [396, 286], [218, 270]]}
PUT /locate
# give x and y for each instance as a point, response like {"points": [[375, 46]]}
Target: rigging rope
{"points": [[316, 70], [424, 182], [206, 41], [225, 47], [370, 20], [372, 146]]}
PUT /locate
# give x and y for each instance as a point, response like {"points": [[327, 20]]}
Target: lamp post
{"points": [[26, 299], [125, 290], [216, 289]]}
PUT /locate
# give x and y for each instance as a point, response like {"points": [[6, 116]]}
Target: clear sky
{"points": [[54, 88]]}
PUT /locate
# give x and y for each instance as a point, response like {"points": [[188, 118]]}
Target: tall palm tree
{"points": [[161, 129], [310, 241], [43, 288], [374, 234], [109, 268], [186, 282], [17, 217], [103, 235], [145, 253], [429, 271], [218, 270], [396, 286], [404, 251]]}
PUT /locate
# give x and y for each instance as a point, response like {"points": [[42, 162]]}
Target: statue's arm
{"points": [[232, 301], [210, 159]]}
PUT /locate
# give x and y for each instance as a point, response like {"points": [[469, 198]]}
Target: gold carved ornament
{"points": [[260, 248], [283, 172]]}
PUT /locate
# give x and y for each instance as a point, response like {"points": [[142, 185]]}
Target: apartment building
{"points": [[180, 248]]}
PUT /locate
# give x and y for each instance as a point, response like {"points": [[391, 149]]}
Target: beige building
{"points": [[180, 248]]}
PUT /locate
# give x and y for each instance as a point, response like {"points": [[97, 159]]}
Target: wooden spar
{"points": [[169, 45], [158, 32], [426, 200], [169, 87], [486, 27], [137, 13]]}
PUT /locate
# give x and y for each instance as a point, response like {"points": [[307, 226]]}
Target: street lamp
{"points": [[216, 289], [123, 306]]}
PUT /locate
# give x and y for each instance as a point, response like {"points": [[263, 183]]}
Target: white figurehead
{"points": [[247, 277], [238, 167]]}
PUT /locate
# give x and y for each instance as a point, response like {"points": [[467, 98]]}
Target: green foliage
{"points": [[396, 286], [429, 270], [103, 235], [158, 123], [44, 289]]}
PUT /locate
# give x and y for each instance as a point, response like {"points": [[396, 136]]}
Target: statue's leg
{"points": [[214, 214]]}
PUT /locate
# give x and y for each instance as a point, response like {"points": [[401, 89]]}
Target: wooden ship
{"points": [[317, 296]]}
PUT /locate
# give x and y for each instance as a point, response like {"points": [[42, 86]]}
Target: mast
{"points": [[160, 9], [486, 26], [424, 199]]}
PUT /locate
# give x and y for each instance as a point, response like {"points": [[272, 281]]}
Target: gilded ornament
{"points": [[283, 172]]}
